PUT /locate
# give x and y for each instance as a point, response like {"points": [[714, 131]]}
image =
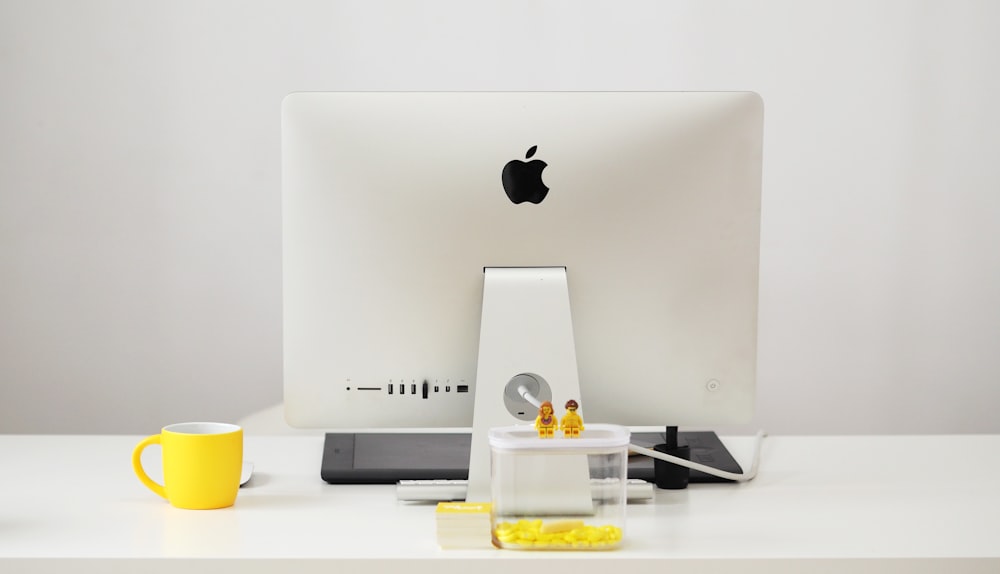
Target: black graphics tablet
{"points": [[386, 458]]}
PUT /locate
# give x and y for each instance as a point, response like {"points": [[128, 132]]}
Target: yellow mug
{"points": [[202, 463]]}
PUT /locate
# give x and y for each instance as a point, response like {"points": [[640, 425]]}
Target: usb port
{"points": [[390, 387], [462, 388]]}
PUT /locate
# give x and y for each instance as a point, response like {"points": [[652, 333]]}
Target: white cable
{"points": [[526, 395], [746, 476]]}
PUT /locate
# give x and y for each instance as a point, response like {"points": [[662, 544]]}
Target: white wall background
{"points": [[140, 270]]}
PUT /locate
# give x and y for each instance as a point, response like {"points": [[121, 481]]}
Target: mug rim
{"points": [[202, 428]]}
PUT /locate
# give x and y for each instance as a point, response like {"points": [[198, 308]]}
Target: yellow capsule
{"points": [[562, 526]]}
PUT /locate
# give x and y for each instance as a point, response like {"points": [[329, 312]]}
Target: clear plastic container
{"points": [[559, 493]]}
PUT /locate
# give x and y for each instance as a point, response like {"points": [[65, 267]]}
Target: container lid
{"points": [[525, 437]]}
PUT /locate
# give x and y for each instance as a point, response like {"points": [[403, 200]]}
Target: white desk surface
{"points": [[819, 504]]}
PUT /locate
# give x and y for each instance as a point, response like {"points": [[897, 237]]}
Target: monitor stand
{"points": [[526, 330]]}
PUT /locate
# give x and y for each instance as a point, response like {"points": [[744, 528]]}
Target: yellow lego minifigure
{"points": [[572, 423], [546, 422]]}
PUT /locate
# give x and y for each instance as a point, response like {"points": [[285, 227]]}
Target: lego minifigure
{"points": [[546, 422], [572, 423]]}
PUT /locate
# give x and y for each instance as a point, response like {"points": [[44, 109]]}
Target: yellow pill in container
{"points": [[539, 535]]}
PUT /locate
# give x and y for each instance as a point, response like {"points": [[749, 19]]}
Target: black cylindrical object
{"points": [[668, 475]]}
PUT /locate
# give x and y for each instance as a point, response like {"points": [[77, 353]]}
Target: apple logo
{"points": [[522, 180]]}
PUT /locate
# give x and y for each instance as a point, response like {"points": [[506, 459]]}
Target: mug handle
{"points": [[137, 465]]}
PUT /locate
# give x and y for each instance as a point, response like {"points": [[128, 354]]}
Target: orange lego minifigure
{"points": [[572, 423], [546, 422]]}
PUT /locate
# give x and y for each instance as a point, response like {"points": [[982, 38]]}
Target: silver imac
{"points": [[397, 207]]}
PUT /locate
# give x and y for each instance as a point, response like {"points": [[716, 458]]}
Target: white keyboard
{"points": [[446, 490]]}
